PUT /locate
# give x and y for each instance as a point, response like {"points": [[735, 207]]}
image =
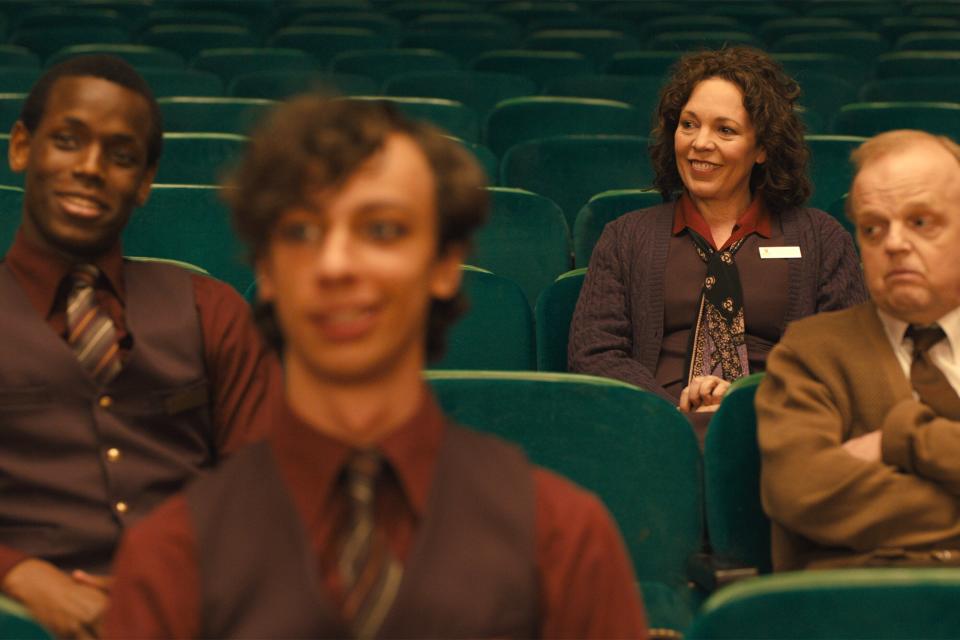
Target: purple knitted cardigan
{"points": [[617, 328]]}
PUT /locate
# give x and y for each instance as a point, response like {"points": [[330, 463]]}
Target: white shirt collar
{"points": [[896, 328]]}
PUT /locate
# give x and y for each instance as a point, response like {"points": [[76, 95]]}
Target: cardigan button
{"points": [[113, 454], [105, 401], [121, 507]]}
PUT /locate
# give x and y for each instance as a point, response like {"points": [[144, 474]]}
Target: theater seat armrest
{"points": [[710, 572]]}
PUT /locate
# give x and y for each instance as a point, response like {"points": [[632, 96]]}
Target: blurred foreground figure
{"points": [[367, 513], [859, 418]]}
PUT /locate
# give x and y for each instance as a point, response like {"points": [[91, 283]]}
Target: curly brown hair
{"points": [[312, 143], [769, 97]]}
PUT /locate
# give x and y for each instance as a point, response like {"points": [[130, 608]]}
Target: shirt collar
{"points": [[897, 328], [40, 272], [313, 461], [756, 219]]}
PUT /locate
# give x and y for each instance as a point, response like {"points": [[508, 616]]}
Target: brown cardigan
{"points": [[831, 378]]}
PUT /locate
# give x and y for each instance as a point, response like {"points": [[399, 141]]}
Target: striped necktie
{"points": [[90, 331], [931, 385], [370, 573]]}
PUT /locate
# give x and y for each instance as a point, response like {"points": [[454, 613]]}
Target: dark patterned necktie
{"points": [[931, 385], [370, 573], [90, 331]]}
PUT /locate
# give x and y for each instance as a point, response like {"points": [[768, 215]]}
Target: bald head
{"points": [[905, 200]]}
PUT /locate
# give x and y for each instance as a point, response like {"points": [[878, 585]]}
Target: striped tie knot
{"points": [[90, 331]]}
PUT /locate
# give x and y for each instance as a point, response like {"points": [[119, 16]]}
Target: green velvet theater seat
{"points": [[187, 114], [631, 448], [871, 118], [497, 330], [197, 158], [830, 169], [847, 604], [17, 624], [11, 209], [603, 208], [553, 313]]}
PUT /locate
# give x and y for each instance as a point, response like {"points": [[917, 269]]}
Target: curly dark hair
{"points": [[769, 97], [314, 142]]}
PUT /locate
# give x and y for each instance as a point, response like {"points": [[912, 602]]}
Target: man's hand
{"points": [[866, 447], [64, 605], [703, 392]]}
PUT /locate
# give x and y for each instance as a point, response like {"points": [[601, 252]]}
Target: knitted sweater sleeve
{"points": [[601, 332], [840, 282]]}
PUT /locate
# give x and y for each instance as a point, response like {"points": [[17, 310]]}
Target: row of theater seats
{"points": [[639, 455]]}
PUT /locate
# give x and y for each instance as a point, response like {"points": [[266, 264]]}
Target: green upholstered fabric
{"points": [[571, 169], [848, 604], [526, 239], [281, 83], [837, 209], [216, 115], [197, 158], [10, 105], [385, 28], [597, 45], [601, 209], [489, 162], [189, 223], [861, 45], [799, 64], [930, 41], [138, 55], [895, 27], [912, 64], [642, 63], [177, 263], [479, 90], [381, 64], [871, 118], [642, 92], [739, 530], [11, 209], [463, 45], [631, 448], [830, 169], [189, 39], [773, 30], [694, 40], [454, 118], [16, 623], [45, 41], [497, 330], [184, 14], [167, 82], [469, 20], [228, 63], [539, 66], [527, 118], [18, 80], [825, 94], [908, 89], [12, 55], [552, 315], [323, 42]]}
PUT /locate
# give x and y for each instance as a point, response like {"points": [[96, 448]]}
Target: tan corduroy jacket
{"points": [[831, 378]]}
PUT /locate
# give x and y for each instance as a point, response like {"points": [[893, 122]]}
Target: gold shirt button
{"points": [[113, 454], [105, 401], [121, 507]]}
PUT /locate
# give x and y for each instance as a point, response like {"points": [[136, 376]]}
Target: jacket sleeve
{"points": [[601, 332], [812, 486], [840, 284], [919, 442]]}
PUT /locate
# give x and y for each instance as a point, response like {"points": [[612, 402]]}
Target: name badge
{"points": [[773, 253]]}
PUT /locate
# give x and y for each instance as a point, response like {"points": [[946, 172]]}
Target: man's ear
{"points": [[18, 153], [446, 274], [264, 274], [143, 191]]}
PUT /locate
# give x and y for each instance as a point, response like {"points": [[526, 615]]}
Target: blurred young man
{"points": [[367, 513], [859, 417], [119, 379]]}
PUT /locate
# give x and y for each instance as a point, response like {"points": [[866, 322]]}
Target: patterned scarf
{"points": [[717, 343]]}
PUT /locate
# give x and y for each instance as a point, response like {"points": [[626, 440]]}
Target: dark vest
{"points": [[471, 571], [79, 462]]}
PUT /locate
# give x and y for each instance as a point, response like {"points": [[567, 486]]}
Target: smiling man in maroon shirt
{"points": [[358, 220], [84, 454]]}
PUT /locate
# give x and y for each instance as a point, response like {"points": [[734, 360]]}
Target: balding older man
{"points": [[859, 418]]}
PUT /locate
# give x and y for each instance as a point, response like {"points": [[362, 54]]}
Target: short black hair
{"points": [[107, 67]]}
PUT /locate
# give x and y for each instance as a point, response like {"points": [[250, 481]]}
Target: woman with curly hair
{"points": [[687, 296]]}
